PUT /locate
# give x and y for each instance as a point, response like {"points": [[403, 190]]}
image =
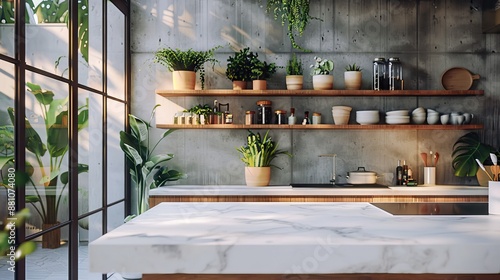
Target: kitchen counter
{"points": [[297, 238], [233, 193]]}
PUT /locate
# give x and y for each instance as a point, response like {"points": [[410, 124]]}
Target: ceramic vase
{"points": [[294, 82], [257, 176], [259, 84], [239, 85], [184, 80], [352, 80], [322, 82]]}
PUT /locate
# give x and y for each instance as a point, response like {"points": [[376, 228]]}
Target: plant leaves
{"points": [[81, 169]]}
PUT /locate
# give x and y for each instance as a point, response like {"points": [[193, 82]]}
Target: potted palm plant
{"points": [[261, 71], [257, 155], [466, 150], [239, 68], [147, 170], [352, 77], [321, 73], [294, 73], [185, 64]]}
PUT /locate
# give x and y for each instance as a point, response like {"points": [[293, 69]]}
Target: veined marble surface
{"points": [[291, 238], [214, 190]]}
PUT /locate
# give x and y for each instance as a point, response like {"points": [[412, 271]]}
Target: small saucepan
{"points": [[361, 176]]}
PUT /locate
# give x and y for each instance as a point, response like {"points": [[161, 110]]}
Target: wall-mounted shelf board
{"points": [[327, 126], [311, 92]]}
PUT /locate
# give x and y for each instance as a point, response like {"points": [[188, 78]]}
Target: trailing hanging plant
{"points": [[293, 13]]}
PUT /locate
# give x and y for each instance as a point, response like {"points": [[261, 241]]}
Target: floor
{"points": [[52, 264]]}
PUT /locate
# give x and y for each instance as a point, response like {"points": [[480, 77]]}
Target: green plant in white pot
{"points": [[294, 73], [257, 155], [352, 77], [321, 73], [147, 170]]}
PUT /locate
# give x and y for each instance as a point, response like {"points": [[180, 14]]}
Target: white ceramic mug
{"points": [[445, 118], [468, 118], [460, 119]]}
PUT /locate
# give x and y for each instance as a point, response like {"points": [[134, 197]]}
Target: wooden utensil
{"points": [[458, 78], [424, 158], [436, 158]]}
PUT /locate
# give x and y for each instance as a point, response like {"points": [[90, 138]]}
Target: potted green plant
{"points": [[261, 71], [147, 170], [239, 68], [49, 154], [352, 77], [466, 150], [185, 64], [294, 73], [203, 112], [321, 73], [258, 155]]}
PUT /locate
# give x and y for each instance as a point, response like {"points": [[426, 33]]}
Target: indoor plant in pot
{"points": [[261, 71], [147, 170], [239, 68], [294, 73], [257, 155], [185, 64], [352, 77], [321, 73], [466, 150]]}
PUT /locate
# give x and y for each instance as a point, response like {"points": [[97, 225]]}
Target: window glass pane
{"points": [[93, 69], [47, 150], [116, 215], [7, 21], [116, 157], [116, 52], [90, 152], [47, 263], [90, 228]]}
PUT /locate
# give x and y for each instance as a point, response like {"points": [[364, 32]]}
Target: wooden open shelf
{"points": [[327, 126], [311, 92]]}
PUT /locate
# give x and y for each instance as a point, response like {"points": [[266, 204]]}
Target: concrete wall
{"points": [[429, 37]]}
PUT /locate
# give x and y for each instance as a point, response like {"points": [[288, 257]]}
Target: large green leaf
{"points": [[57, 138], [139, 128], [56, 111], [81, 169], [466, 150], [34, 143], [83, 119], [45, 97], [133, 154]]}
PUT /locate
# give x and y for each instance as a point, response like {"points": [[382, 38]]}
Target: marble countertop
{"points": [[293, 238], [241, 190]]}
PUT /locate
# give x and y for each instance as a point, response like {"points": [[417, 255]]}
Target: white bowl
{"points": [[367, 117], [340, 112], [342, 108], [418, 120], [434, 119], [397, 120], [418, 110], [397, 113], [340, 119], [419, 114]]}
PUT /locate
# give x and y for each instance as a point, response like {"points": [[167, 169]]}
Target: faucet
{"points": [[334, 166]]}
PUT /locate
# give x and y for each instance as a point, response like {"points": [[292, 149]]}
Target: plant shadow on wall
{"points": [[147, 170], [48, 180]]}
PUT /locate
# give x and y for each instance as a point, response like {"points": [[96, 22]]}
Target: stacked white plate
{"points": [[397, 117]]}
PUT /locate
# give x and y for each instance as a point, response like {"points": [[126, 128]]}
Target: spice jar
{"points": [[280, 117], [316, 118], [264, 112], [249, 117], [380, 78]]}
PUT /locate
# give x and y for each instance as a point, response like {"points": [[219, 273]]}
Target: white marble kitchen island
{"points": [[257, 239]]}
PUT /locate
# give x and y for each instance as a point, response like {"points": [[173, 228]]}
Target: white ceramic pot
{"points": [[322, 82], [361, 176], [294, 82], [352, 80], [257, 176], [184, 80]]}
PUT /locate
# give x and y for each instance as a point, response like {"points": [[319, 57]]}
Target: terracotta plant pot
{"points": [[239, 85], [184, 80], [322, 82], [294, 82], [352, 80], [259, 84], [257, 176]]}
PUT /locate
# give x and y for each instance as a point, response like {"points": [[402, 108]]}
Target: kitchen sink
{"points": [[332, 186], [434, 208]]}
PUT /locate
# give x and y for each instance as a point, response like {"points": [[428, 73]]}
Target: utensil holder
{"points": [[429, 176], [494, 197]]}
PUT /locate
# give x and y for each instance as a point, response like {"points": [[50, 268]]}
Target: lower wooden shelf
{"points": [[327, 126]]}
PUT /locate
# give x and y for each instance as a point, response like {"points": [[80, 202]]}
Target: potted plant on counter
{"points": [[185, 64], [466, 150], [147, 170], [352, 77], [239, 68], [257, 155], [321, 73], [261, 71], [294, 73]]}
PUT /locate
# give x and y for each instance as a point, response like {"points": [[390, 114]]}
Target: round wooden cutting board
{"points": [[458, 78]]}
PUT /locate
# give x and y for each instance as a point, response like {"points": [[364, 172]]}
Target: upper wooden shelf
{"points": [[327, 126], [311, 92]]}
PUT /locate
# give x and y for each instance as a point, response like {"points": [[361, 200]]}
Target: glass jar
{"points": [[380, 78], [249, 117], [395, 74], [280, 117], [316, 118], [264, 112]]}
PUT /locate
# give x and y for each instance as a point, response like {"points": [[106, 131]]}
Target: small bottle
{"points": [[214, 116], [306, 118], [249, 117], [280, 117], [405, 173], [228, 117], [399, 174], [292, 119]]}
